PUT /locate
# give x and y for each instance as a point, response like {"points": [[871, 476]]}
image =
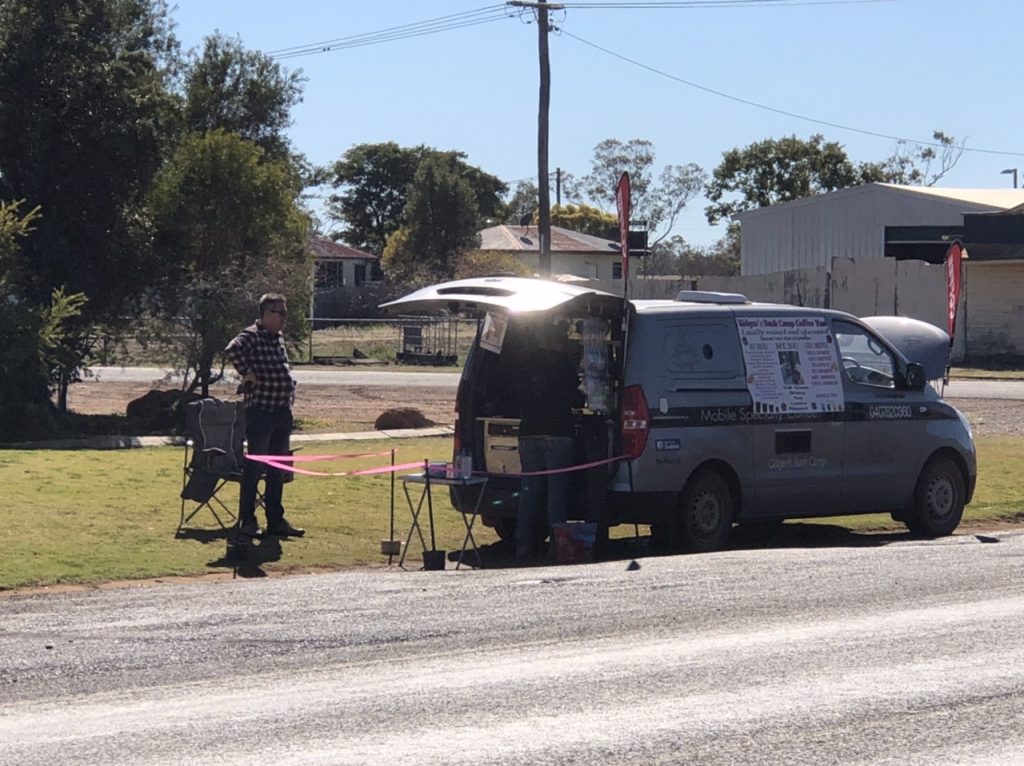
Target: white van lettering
{"points": [[718, 416], [795, 462], [889, 411]]}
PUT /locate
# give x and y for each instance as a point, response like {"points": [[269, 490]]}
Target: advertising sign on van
{"points": [[792, 364]]}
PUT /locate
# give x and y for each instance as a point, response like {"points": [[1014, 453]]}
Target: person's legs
{"points": [[531, 458], [258, 427], [278, 443], [558, 454]]}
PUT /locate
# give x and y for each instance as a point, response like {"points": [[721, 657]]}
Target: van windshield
{"points": [[865, 359]]}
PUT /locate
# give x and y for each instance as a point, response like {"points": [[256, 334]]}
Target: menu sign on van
{"points": [[792, 365]]}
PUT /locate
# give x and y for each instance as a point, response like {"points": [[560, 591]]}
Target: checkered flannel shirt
{"points": [[258, 350]]}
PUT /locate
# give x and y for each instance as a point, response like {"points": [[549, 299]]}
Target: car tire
{"points": [[938, 499], [706, 511]]}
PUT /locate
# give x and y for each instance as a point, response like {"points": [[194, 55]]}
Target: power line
{"points": [[776, 110], [669, 4], [476, 17]]}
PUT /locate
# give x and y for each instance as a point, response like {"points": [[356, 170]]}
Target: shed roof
{"points": [[328, 250], [506, 238], [977, 200]]}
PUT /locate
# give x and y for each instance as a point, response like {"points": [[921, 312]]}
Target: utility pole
{"points": [[558, 186], [543, 182]]}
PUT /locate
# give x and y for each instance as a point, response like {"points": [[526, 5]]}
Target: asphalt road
{"points": [[889, 651], [960, 388]]}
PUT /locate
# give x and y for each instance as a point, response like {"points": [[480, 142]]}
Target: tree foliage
{"points": [[779, 170], [658, 202], [82, 84], [441, 219], [486, 263], [228, 87], [85, 116], [916, 164], [228, 226], [34, 334], [585, 219], [374, 183], [676, 257]]}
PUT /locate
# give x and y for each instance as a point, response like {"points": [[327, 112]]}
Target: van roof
{"points": [[752, 308]]}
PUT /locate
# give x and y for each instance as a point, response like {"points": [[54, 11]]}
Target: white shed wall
{"points": [[845, 224]]}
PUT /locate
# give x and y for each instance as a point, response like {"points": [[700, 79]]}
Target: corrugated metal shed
{"points": [[851, 223]]}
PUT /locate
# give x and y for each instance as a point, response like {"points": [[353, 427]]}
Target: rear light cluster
{"points": [[635, 421]]}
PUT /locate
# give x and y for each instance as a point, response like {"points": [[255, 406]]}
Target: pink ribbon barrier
{"points": [[569, 469], [312, 458], [281, 462], [360, 472]]}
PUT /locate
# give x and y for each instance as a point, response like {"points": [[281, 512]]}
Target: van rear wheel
{"points": [[938, 499], [706, 511]]}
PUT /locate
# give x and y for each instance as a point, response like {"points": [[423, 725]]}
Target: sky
{"points": [[897, 68]]}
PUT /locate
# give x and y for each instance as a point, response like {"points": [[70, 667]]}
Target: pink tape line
{"points": [[570, 469], [362, 472], [311, 458]]}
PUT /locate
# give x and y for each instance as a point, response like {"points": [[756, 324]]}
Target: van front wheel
{"points": [[938, 499], [705, 513]]}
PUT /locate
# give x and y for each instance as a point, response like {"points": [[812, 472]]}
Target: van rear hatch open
{"points": [[513, 295]]}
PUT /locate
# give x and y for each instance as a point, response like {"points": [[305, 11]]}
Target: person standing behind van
{"points": [[547, 393]]}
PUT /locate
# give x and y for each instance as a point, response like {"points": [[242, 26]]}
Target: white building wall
{"points": [[993, 317], [848, 224]]}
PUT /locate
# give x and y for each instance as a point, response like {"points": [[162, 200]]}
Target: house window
{"points": [[330, 274], [617, 270]]}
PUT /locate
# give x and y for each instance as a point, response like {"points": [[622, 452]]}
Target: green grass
{"points": [[996, 373], [93, 516]]}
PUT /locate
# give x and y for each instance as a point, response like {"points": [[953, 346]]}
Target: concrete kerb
{"points": [[134, 442]]}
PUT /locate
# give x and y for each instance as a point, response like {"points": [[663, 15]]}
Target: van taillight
{"points": [[633, 417], [457, 446]]}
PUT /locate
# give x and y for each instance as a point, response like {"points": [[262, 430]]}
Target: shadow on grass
{"points": [[203, 536], [246, 559]]}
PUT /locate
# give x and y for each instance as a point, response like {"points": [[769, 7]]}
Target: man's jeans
{"points": [[268, 433], [541, 453]]}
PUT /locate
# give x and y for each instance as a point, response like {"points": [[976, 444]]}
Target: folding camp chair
{"points": [[214, 456]]}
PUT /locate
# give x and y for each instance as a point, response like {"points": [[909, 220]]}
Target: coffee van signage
{"points": [[791, 364]]}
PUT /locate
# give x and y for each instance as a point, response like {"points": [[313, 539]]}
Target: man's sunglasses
{"points": [[279, 312]]}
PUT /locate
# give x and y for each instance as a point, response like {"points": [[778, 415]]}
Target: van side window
{"points": [[865, 360], [702, 351]]}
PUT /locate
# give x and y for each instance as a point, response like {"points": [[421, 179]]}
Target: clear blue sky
{"points": [[900, 67]]}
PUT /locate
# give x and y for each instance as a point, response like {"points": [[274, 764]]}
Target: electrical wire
{"points": [[476, 17], [776, 110], [669, 4]]}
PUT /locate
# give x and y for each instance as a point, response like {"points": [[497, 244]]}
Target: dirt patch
{"points": [[320, 409], [326, 409]]}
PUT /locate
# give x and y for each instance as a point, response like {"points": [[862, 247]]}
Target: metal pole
{"points": [[391, 535], [544, 222]]}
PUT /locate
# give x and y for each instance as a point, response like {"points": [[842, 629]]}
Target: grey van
{"points": [[711, 410]]}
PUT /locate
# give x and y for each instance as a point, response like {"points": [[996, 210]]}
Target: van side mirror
{"points": [[915, 377]]}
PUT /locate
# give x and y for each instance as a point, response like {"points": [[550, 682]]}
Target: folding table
{"points": [[428, 481]]}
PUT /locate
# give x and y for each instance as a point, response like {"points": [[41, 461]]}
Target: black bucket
{"points": [[434, 560]]}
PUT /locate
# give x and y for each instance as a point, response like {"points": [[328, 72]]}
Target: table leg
{"points": [[469, 530], [415, 527]]}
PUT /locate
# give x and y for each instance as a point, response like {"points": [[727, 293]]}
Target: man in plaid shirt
{"points": [[258, 354]]}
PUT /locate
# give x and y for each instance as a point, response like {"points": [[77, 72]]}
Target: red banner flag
{"points": [[953, 258], [622, 202]]}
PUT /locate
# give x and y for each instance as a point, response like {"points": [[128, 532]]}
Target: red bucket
{"points": [[574, 542]]}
